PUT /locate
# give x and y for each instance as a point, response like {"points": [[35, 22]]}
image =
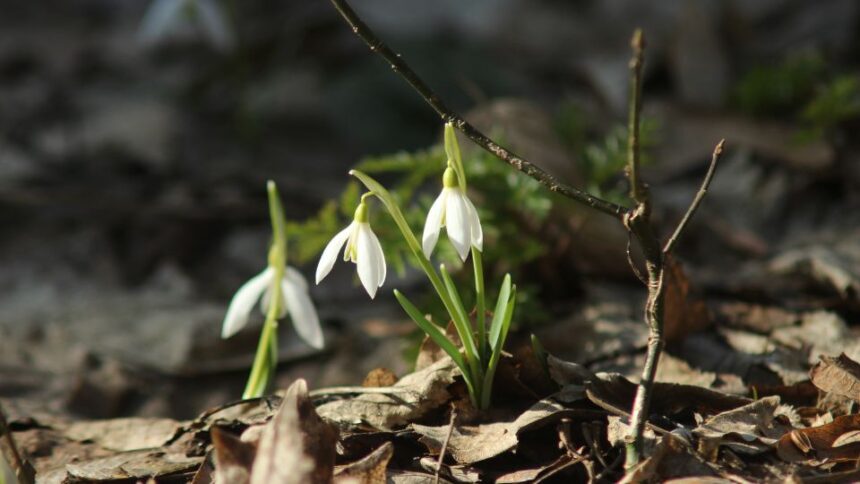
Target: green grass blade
{"points": [[432, 331], [461, 319], [499, 313], [505, 325]]}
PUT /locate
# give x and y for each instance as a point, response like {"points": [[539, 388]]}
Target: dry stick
{"points": [[445, 445], [23, 470], [399, 66], [638, 222]]}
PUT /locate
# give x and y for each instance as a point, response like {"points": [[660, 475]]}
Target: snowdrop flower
{"points": [[164, 17], [294, 300], [454, 211], [362, 248]]}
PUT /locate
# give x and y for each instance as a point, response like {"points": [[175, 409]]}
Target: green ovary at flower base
{"points": [[281, 290], [481, 352]]}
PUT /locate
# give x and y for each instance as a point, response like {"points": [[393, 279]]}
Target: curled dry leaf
{"points": [[839, 375], [423, 391], [473, 443], [752, 429], [296, 446], [233, 458], [368, 470], [124, 434], [137, 465], [838, 441]]}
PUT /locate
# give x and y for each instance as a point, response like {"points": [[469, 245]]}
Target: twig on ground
{"points": [[445, 445], [23, 470]]}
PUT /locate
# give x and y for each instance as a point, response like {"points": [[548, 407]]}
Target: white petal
{"points": [[457, 222], [243, 301], [433, 224], [214, 24], [475, 225], [302, 312], [368, 265], [264, 303], [329, 255], [295, 277], [160, 17], [380, 257]]}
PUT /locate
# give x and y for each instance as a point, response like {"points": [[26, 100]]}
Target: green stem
{"points": [[266, 358], [480, 317]]}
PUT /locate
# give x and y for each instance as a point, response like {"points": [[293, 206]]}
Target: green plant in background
{"points": [[802, 89], [452, 209], [281, 290], [602, 160]]}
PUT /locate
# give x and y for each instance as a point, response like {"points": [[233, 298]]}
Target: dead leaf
{"points": [[672, 457], [379, 377], [457, 473], [233, 458], [752, 429], [832, 266], [124, 434], [615, 394], [296, 446], [411, 477], [819, 444], [368, 470], [423, 391], [683, 312], [839, 375], [136, 465], [473, 443]]}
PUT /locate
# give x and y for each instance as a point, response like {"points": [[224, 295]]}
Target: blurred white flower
{"points": [[362, 248], [454, 211], [164, 17], [295, 301]]}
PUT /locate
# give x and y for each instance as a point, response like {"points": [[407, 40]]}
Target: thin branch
{"points": [[445, 445], [637, 187], [399, 66], [697, 200], [24, 471]]}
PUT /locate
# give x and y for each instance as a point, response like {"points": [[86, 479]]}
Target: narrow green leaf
{"points": [[461, 319], [431, 330], [505, 325], [498, 313]]}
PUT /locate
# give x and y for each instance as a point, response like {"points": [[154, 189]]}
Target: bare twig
{"points": [[637, 187], [23, 470], [697, 200], [445, 445], [400, 66]]}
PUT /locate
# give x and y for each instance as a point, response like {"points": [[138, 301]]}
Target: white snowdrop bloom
{"points": [[362, 248], [454, 211], [164, 17], [294, 301]]}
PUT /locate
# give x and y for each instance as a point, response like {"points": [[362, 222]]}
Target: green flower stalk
{"points": [[281, 290]]}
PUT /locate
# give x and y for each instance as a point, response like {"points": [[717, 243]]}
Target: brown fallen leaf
{"points": [[137, 465], [684, 313], [615, 394], [233, 458], [672, 457], [418, 393], [752, 429], [296, 446], [367, 470], [839, 375], [124, 434], [473, 443], [819, 444]]}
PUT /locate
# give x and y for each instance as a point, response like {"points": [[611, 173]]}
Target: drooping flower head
{"points": [[454, 211], [361, 247]]}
